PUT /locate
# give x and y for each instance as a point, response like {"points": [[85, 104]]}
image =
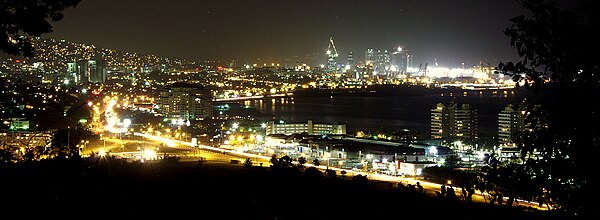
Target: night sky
{"points": [[264, 31]]}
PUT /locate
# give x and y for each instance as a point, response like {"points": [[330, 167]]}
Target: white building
{"points": [[311, 128], [185, 101]]}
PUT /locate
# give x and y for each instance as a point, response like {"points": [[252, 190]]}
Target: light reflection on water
{"points": [[397, 112]]}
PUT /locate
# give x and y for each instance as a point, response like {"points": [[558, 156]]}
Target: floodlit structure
{"points": [[332, 56], [89, 71], [379, 61], [454, 121], [311, 128], [510, 121], [185, 101]]}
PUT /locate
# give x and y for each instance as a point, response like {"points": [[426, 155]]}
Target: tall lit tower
{"points": [[510, 122], [409, 61], [454, 121], [350, 59], [332, 55]]}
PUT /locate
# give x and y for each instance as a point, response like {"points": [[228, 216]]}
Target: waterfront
{"points": [[390, 112]]}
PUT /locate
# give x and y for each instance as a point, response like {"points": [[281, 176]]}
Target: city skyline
{"points": [[253, 32], [393, 107]]}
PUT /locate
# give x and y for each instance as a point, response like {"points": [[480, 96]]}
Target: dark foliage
{"points": [[556, 44], [108, 187], [560, 143], [22, 19]]}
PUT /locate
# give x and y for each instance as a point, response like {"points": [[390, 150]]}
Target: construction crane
{"points": [[332, 55]]}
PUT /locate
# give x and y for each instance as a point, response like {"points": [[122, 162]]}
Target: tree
{"points": [[7, 155], [301, 161], [21, 20], [558, 145], [34, 153], [330, 173], [274, 160], [555, 45], [451, 161], [248, 163], [313, 172], [316, 162], [285, 161], [64, 143], [360, 180]]}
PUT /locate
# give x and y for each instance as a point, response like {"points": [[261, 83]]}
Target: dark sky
{"points": [[449, 31]]}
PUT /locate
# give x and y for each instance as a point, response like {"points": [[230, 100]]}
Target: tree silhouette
{"points": [[316, 162], [248, 163], [301, 161], [285, 161], [558, 145], [330, 173], [360, 180], [21, 20], [34, 153], [7, 155], [313, 172], [451, 161], [64, 143], [274, 161]]}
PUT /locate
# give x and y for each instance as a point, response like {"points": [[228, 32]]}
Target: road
{"points": [[211, 155]]}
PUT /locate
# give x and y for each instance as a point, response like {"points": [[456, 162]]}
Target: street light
{"points": [[85, 146], [81, 146]]}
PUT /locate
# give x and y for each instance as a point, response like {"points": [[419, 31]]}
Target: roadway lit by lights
{"points": [[111, 117], [169, 142], [174, 143], [372, 176], [113, 123]]}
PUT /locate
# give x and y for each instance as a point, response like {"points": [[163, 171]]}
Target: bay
{"points": [[412, 112]]}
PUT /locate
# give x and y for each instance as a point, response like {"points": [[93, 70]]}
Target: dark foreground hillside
{"points": [[116, 189]]}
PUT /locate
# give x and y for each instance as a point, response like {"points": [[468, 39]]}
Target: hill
{"points": [[108, 187]]}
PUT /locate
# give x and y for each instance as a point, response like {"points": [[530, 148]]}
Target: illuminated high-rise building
{"points": [[409, 62], [71, 74], [402, 61], [90, 71], [185, 101], [369, 56], [379, 61], [97, 71], [454, 121], [332, 56], [351, 59], [510, 122], [383, 64], [309, 127]]}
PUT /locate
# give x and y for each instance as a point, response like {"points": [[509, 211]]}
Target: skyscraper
{"points": [[332, 56], [185, 101], [351, 59], [402, 60], [382, 63], [409, 62], [453, 122], [369, 56], [379, 61], [90, 71], [510, 122], [72, 72], [97, 70]]}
